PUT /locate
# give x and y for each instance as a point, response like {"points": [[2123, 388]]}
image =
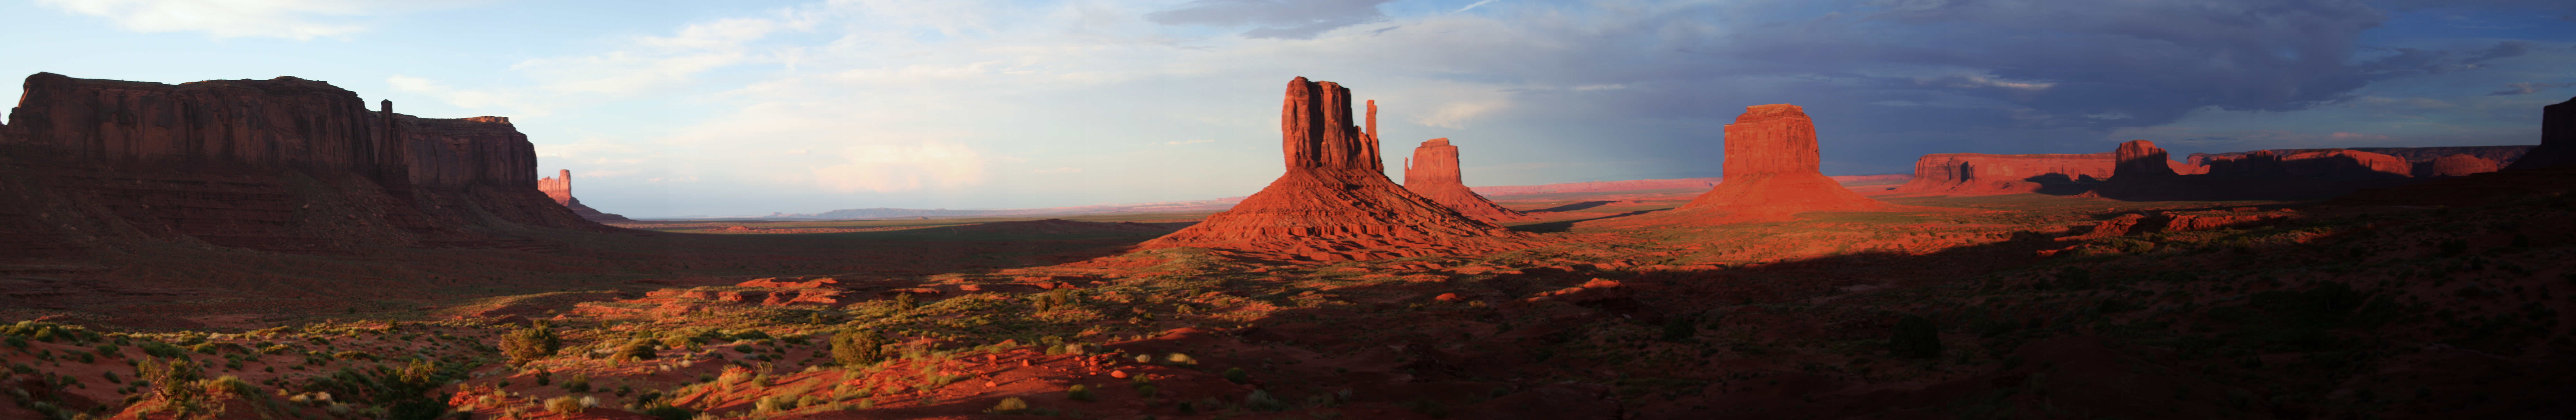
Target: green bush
{"points": [[1078, 393], [1237, 375], [1915, 337], [637, 350], [858, 348], [528, 344], [1012, 405]]}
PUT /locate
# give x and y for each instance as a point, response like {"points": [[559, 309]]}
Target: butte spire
{"points": [[1335, 201]]}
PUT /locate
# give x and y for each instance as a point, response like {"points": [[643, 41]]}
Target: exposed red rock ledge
{"points": [[559, 188]]}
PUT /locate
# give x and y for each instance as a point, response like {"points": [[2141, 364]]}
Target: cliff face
{"points": [[1433, 173], [1771, 168], [284, 164], [2557, 138], [1335, 201], [1982, 174]]}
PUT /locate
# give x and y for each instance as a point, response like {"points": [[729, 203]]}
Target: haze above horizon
{"points": [[671, 108]]}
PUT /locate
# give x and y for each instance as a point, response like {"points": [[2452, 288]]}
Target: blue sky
{"points": [[747, 108]]}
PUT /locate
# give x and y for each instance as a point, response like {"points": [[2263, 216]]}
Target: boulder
{"points": [[1433, 173]]}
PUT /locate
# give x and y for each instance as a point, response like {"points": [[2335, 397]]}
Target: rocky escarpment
{"points": [[1433, 173], [2550, 169], [1981, 174], [284, 165], [559, 188], [1335, 201]]}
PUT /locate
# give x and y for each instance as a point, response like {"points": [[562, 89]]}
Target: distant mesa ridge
{"points": [[284, 165], [2549, 168], [1335, 202]]}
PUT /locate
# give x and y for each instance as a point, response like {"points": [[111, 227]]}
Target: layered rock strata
{"points": [[1984, 174], [1433, 173], [285, 164], [559, 188], [1335, 201], [1771, 169], [2456, 165]]}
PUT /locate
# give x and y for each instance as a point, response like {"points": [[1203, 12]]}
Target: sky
{"points": [[667, 108]]}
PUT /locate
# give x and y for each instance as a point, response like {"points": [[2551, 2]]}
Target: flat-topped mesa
{"points": [[1433, 173], [284, 164], [2557, 139], [2141, 158], [559, 188], [1335, 201], [1771, 168], [2456, 165], [1982, 174]]}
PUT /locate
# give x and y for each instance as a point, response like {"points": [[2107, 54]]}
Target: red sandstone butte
{"points": [[2557, 138], [1771, 169], [2457, 165], [1335, 201], [560, 189], [2141, 158], [1433, 173], [279, 165], [1984, 174]]}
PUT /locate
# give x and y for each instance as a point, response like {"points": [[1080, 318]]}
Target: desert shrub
{"points": [[580, 382], [1915, 337], [162, 350], [175, 380], [1012, 405], [1260, 400], [1180, 359], [667, 412], [1078, 393], [1147, 391], [1680, 329], [1237, 375], [355, 355], [564, 405], [274, 349], [858, 348], [1429, 408], [527, 344]]}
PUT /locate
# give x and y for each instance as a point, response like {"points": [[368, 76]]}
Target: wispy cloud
{"points": [[297, 19]]}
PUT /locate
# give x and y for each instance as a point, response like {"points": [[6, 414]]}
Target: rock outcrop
{"points": [[1770, 174], [2346, 164], [2141, 159], [559, 188], [2260, 174], [1335, 201], [283, 165], [2455, 165], [1433, 173], [2557, 138], [2549, 169], [1985, 174]]}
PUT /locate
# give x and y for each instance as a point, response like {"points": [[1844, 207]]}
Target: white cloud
{"points": [[298, 19], [888, 168], [1057, 170], [507, 100], [1455, 115], [1190, 141]]}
